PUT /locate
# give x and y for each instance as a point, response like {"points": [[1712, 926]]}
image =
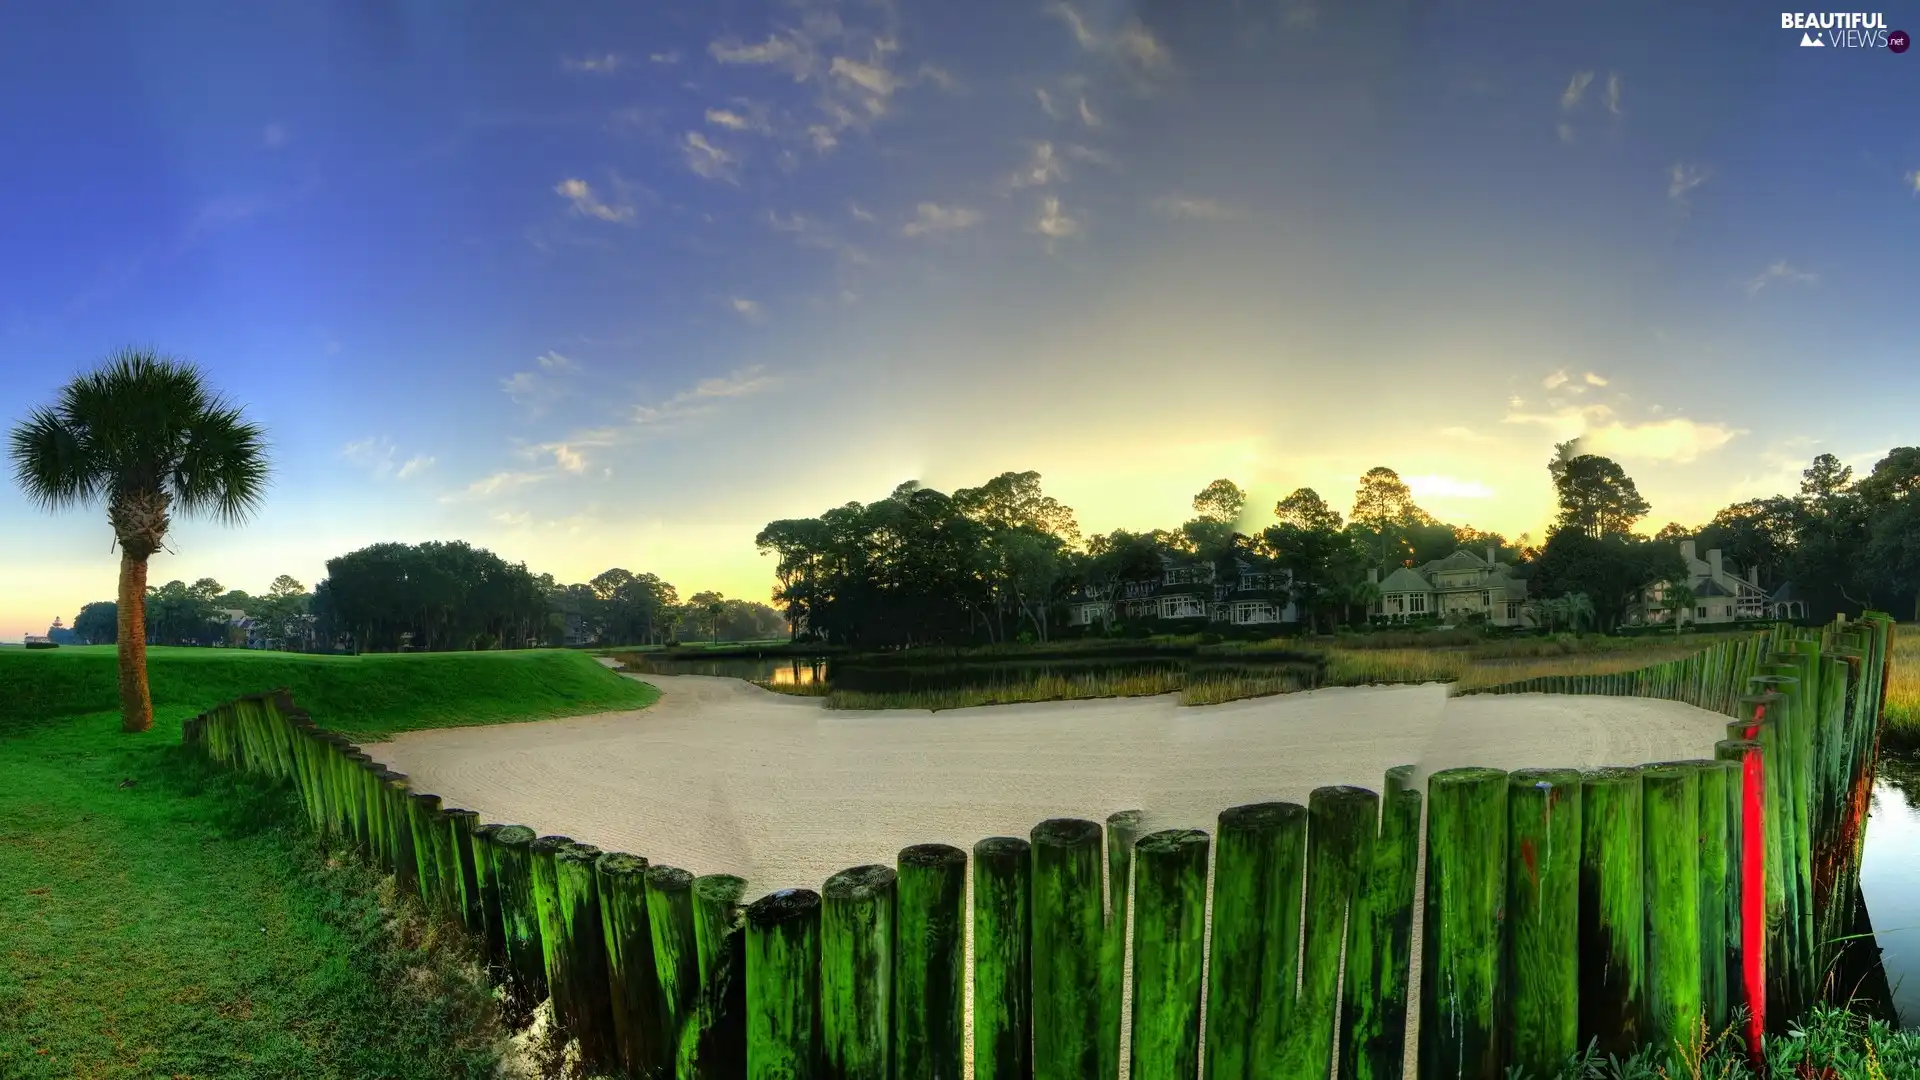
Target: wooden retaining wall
{"points": [[1624, 905]]}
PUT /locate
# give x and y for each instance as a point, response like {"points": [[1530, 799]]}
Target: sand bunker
{"points": [[724, 777]]}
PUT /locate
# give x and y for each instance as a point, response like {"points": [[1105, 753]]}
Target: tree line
{"points": [[436, 596]]}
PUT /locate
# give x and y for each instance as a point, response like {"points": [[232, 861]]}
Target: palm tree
{"points": [[144, 434]]}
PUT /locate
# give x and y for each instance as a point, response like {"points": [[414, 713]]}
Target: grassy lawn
{"points": [[160, 919], [366, 697], [165, 920]]}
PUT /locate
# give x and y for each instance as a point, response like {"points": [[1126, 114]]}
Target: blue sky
{"points": [[605, 284]]}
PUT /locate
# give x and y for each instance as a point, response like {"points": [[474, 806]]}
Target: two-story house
{"points": [[1189, 590], [1452, 589], [1721, 594]]}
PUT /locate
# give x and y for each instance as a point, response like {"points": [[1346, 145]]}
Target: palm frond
{"points": [[52, 460], [223, 469]]}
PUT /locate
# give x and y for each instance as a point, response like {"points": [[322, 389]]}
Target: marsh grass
{"points": [[1902, 728], [1829, 1043]]}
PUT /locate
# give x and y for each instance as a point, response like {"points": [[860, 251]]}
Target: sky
{"points": [[602, 284]]}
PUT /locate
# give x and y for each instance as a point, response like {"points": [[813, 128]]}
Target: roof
{"points": [[1405, 580], [1786, 592], [1709, 588], [1459, 560]]}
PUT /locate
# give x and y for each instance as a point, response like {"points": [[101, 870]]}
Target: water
{"points": [[900, 678], [1890, 880]]}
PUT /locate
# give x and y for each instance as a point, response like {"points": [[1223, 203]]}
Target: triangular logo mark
{"points": [[1808, 41]]}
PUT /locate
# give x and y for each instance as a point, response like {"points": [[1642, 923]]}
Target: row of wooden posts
{"points": [[1561, 907]]}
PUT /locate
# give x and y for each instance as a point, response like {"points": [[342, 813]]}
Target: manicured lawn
{"points": [[366, 697], [158, 919], [161, 919]]}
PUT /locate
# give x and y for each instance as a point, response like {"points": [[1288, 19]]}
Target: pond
{"points": [[1890, 872], [882, 677]]}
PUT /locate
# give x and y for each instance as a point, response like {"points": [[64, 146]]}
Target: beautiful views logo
{"points": [[1844, 30]]}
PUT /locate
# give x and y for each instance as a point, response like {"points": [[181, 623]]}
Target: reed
{"points": [[1041, 688]]}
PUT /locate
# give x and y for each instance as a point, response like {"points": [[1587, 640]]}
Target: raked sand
{"points": [[721, 776]]}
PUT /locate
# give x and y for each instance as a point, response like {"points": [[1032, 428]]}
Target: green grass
{"points": [[1828, 1043], [365, 697], [182, 925]]}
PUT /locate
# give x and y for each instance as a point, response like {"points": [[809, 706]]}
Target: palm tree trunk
{"points": [[136, 701]]}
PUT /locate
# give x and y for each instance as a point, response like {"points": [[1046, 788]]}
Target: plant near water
{"points": [[145, 435]]}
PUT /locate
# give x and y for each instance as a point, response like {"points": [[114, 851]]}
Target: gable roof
{"points": [[1405, 580], [1459, 560], [1710, 587]]}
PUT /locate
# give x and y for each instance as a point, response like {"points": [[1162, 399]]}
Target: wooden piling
{"points": [[783, 986], [633, 986], [520, 921], [1613, 943], [1543, 918], [676, 950], [465, 874], [583, 952], [1341, 823], [1123, 829], [1671, 800], [714, 1046], [1466, 894], [1066, 952], [929, 973], [486, 877], [1258, 875], [1373, 1036], [1170, 875], [422, 811], [1002, 971], [856, 973], [1717, 892]]}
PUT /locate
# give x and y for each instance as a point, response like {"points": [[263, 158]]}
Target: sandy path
{"points": [[722, 776]]}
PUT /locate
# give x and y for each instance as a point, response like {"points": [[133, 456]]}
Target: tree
{"points": [[1563, 454], [1383, 500], [1221, 501], [1758, 533], [1673, 531], [98, 623], [145, 435], [1679, 599], [706, 607], [1305, 509], [1597, 497], [1613, 571]]}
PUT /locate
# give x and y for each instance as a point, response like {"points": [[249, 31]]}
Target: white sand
{"points": [[722, 776]]}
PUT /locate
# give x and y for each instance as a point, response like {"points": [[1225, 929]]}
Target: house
{"points": [[1452, 589], [1189, 590], [1721, 593], [60, 635]]}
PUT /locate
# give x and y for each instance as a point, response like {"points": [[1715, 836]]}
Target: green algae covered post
{"points": [[1341, 823], [676, 948], [1066, 956], [583, 951], [1466, 895], [1002, 971], [856, 973], [1716, 892], [1123, 829], [633, 987], [1170, 876], [783, 986], [422, 812], [406, 874], [487, 878], [545, 875], [464, 874], [1671, 797], [1259, 870], [929, 966], [520, 920], [713, 1047], [1543, 918], [1373, 1034], [1613, 938]]}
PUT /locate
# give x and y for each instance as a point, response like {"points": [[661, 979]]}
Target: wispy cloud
{"points": [[566, 457], [1683, 178], [497, 483], [585, 203], [1087, 115], [812, 233], [1054, 223], [543, 385], [1043, 167], [603, 64], [1576, 90], [666, 56], [1600, 431], [274, 136], [1185, 206], [380, 457], [749, 310], [931, 218], [780, 51], [1913, 181], [1130, 45], [735, 121], [1573, 100], [1593, 380], [699, 401], [708, 160], [1555, 381], [1779, 272], [1612, 97]]}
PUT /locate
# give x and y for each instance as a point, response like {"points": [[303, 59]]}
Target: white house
{"points": [[1463, 584], [1721, 593], [1189, 590]]}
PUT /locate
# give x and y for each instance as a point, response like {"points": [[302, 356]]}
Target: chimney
{"points": [[1713, 563], [1686, 552], [1373, 576], [1753, 576], [1492, 549]]}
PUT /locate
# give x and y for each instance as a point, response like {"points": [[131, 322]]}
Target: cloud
{"points": [[1682, 178], [728, 119], [540, 388], [860, 214], [669, 56], [274, 136], [586, 204], [1043, 167], [1087, 115], [1046, 104], [1613, 95], [1555, 381], [1447, 487], [1675, 439], [1093, 155], [875, 80], [1913, 181], [811, 233], [1131, 45], [1054, 223], [1779, 271], [502, 481], [1182, 206], [705, 396], [1575, 91], [706, 159], [603, 64], [747, 309], [930, 218], [776, 51], [377, 455], [1594, 380], [565, 457], [513, 519]]}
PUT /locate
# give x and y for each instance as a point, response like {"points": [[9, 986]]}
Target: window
{"points": [[1700, 613], [1416, 604], [1486, 599]]}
